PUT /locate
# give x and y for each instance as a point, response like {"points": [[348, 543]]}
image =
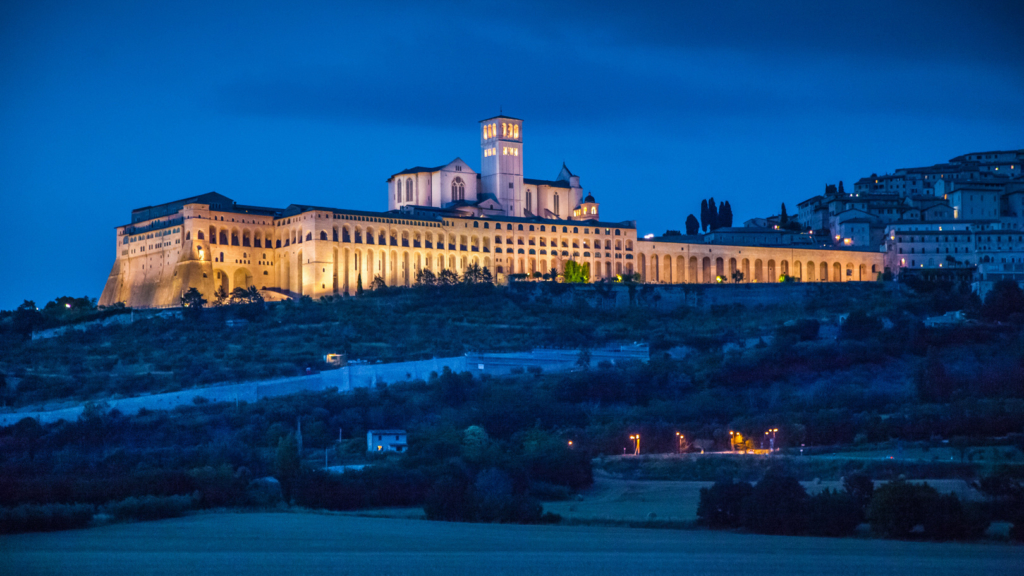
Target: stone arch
{"points": [[235, 237], [223, 236], [719, 268], [705, 270], [299, 284], [784, 267], [643, 267], [810, 271], [406, 280], [848, 273], [758, 271], [323, 234], [213, 235], [732, 268], [680, 270], [746, 270], [823, 272], [798, 269], [862, 272], [837, 272], [242, 278], [772, 272], [667, 273], [694, 276], [246, 238]]}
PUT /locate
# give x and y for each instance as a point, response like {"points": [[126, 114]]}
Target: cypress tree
{"points": [[704, 215], [783, 217], [692, 226], [712, 214]]}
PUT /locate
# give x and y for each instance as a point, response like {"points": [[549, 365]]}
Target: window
{"points": [[458, 189], [529, 201], [556, 204], [408, 190], [398, 190]]}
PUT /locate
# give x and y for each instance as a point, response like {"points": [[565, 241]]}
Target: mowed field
{"points": [[255, 544]]}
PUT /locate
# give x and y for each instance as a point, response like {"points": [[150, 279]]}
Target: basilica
{"points": [[445, 217]]}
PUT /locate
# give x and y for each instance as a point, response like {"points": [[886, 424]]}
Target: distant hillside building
{"points": [[386, 441]]}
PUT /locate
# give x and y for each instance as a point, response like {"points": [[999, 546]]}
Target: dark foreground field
{"points": [[255, 544]]}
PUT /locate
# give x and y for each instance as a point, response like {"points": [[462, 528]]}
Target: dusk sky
{"points": [[106, 107]]}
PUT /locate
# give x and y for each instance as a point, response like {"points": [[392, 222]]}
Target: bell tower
{"points": [[501, 165]]}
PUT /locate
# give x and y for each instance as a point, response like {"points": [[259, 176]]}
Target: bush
{"points": [[720, 506], [776, 505], [898, 506], [44, 517], [946, 518], [150, 507], [833, 513]]}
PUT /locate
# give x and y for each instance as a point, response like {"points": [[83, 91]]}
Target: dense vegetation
{"points": [[488, 449]]}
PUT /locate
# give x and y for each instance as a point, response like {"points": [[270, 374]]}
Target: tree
{"points": [[359, 284], [447, 278], [192, 303], [1004, 302], [832, 513], [737, 276], [898, 506], [777, 505], [474, 274], [27, 318], [712, 214], [704, 223], [424, 277], [220, 297], [724, 218], [287, 464], [378, 283], [859, 325], [783, 217], [946, 518], [840, 190], [721, 505], [860, 487], [576, 273], [692, 225]]}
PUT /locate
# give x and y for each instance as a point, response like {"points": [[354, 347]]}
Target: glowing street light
{"points": [[771, 432], [680, 437], [732, 441], [636, 438]]}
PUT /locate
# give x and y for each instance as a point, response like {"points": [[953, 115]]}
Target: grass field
{"points": [[280, 543], [635, 500]]}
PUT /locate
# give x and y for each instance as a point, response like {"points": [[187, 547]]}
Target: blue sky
{"points": [[105, 107]]}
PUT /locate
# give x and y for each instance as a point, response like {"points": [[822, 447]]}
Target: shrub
{"points": [[150, 507], [898, 506], [833, 513], [720, 505], [776, 505], [44, 517], [946, 518], [450, 499]]}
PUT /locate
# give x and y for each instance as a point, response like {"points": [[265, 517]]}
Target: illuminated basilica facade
{"points": [[438, 218]]}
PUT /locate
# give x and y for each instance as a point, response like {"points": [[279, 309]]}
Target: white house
{"points": [[386, 441]]}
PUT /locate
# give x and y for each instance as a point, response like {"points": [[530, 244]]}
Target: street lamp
{"points": [[636, 438], [772, 439], [732, 441], [681, 437]]}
